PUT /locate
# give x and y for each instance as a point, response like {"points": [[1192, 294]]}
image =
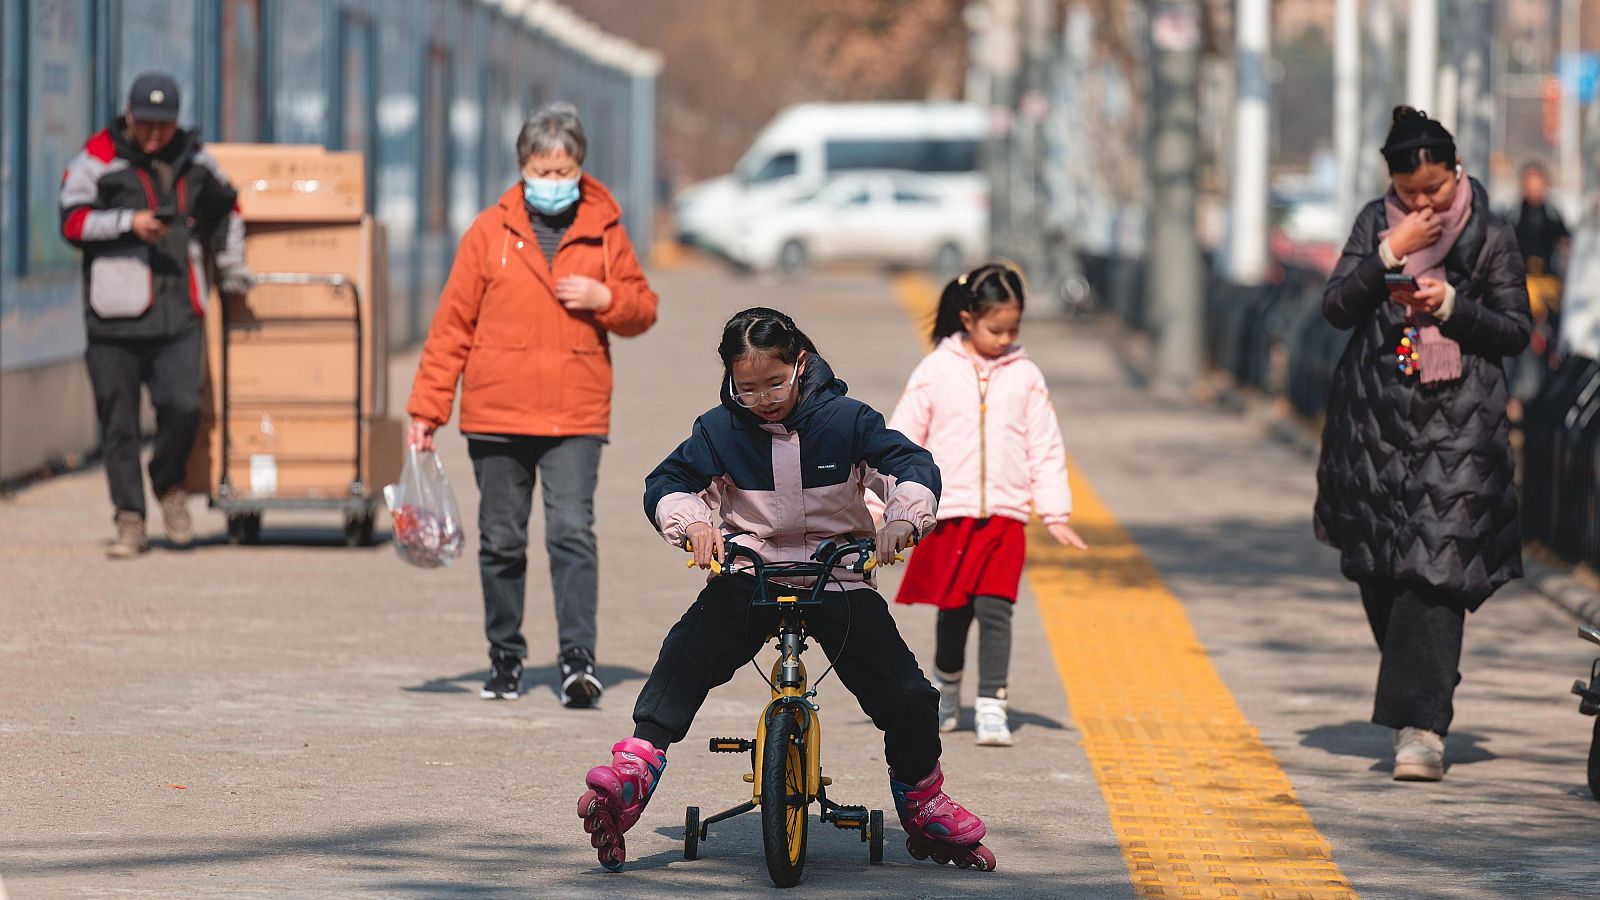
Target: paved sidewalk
{"points": [[300, 718]]}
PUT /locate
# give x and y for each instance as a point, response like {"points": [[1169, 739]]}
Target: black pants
{"points": [[506, 474], [720, 633], [1418, 628], [171, 369], [994, 642]]}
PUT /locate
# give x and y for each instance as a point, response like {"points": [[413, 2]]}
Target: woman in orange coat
{"points": [[540, 282]]}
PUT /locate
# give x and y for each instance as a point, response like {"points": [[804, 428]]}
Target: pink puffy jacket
{"points": [[993, 432]]}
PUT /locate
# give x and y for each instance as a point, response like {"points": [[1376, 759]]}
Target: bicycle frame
{"points": [[788, 679]]}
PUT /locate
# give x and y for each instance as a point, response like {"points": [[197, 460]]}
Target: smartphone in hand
{"points": [[1400, 283], [166, 215]]}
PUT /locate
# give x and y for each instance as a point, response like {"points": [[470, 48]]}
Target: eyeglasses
{"points": [[753, 399]]}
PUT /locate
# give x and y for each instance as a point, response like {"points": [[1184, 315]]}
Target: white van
{"points": [[805, 145]]}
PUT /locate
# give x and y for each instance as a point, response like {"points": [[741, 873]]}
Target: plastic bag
{"points": [[427, 522]]}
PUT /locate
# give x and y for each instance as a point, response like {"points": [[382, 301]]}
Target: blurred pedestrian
{"points": [[1416, 483], [981, 407], [145, 202], [1543, 238], [539, 282], [1541, 233]]}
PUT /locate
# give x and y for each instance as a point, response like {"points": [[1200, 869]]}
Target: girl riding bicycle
{"points": [[982, 408], [785, 460]]}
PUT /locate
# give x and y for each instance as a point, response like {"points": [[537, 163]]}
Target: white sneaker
{"points": [[1418, 755], [993, 729], [949, 700]]}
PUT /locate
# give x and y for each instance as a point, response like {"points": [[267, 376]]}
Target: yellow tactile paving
{"points": [[1200, 806]]}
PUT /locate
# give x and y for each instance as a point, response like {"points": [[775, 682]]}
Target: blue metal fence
{"points": [[433, 91]]}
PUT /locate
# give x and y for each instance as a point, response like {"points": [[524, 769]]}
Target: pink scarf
{"points": [[1438, 357]]}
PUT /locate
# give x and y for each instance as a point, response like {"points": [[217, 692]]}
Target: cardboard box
{"points": [[309, 435], [312, 364], [294, 182], [301, 453], [355, 250]]}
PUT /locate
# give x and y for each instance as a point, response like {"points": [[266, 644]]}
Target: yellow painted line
{"points": [[919, 298], [1200, 806]]}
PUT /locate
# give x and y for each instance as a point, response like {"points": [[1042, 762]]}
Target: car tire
{"points": [[947, 260], [793, 258]]}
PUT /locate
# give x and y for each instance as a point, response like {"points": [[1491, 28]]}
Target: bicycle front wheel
{"points": [[785, 796]]}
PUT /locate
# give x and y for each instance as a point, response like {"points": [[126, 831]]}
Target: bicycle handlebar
{"points": [[827, 557]]}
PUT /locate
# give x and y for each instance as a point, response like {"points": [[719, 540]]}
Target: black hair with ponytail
{"points": [[762, 330], [987, 286], [1416, 140]]}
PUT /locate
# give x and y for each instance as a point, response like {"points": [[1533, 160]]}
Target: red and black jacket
{"points": [[132, 289]]}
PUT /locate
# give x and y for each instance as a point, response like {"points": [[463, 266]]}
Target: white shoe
{"points": [[993, 729], [1418, 755], [949, 700]]}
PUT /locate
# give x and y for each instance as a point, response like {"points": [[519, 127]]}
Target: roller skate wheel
{"points": [[917, 850], [612, 858], [587, 804], [982, 858]]}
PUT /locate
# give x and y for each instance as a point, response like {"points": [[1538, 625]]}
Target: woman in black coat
{"points": [[1416, 484]]}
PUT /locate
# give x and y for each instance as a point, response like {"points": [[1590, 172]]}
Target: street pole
{"points": [[1571, 131], [1176, 277], [1422, 54], [1347, 103], [1377, 96], [1247, 221], [1472, 25]]}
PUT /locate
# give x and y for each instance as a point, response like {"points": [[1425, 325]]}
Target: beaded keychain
{"points": [[1406, 354]]}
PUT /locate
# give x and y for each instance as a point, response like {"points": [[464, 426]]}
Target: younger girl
{"points": [[785, 460], [981, 407]]}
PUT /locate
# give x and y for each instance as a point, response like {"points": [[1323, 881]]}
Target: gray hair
{"points": [[554, 129]]}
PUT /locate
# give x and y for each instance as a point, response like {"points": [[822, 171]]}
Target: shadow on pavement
{"points": [[1376, 743], [532, 678]]}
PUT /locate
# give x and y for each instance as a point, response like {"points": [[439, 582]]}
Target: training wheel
{"points": [[691, 833]]}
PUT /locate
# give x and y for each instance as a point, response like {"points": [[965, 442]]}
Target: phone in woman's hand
{"points": [[1400, 283]]}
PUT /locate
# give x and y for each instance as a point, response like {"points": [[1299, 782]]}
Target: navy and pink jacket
{"points": [[782, 489]]}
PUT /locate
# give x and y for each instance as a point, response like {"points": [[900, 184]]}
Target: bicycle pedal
{"points": [[731, 745]]}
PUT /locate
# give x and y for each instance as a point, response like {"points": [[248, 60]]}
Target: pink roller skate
{"points": [[617, 795], [937, 826]]}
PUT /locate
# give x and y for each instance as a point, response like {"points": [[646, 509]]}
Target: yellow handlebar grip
{"points": [[716, 567], [870, 564]]}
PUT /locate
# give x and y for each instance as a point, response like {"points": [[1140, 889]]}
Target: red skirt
{"points": [[966, 557]]}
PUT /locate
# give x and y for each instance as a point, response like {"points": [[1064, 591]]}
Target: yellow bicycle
{"points": [[786, 755]]}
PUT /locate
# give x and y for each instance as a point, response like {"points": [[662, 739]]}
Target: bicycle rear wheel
{"points": [[785, 797]]}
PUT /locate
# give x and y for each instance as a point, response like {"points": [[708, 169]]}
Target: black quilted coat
{"points": [[1416, 482]]}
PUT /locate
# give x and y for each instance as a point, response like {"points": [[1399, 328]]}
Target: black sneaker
{"points": [[505, 682], [580, 687]]}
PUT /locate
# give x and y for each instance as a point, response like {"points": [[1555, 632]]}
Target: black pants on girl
{"points": [[994, 642], [721, 632], [1418, 628]]}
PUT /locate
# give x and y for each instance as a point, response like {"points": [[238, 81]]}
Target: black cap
{"points": [[154, 97]]}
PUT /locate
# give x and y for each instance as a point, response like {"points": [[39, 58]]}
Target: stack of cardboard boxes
{"points": [[296, 372]]}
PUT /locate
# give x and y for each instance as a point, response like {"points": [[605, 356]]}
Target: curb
{"points": [[1576, 598]]}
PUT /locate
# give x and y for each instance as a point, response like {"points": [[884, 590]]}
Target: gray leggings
{"points": [[994, 642]]}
